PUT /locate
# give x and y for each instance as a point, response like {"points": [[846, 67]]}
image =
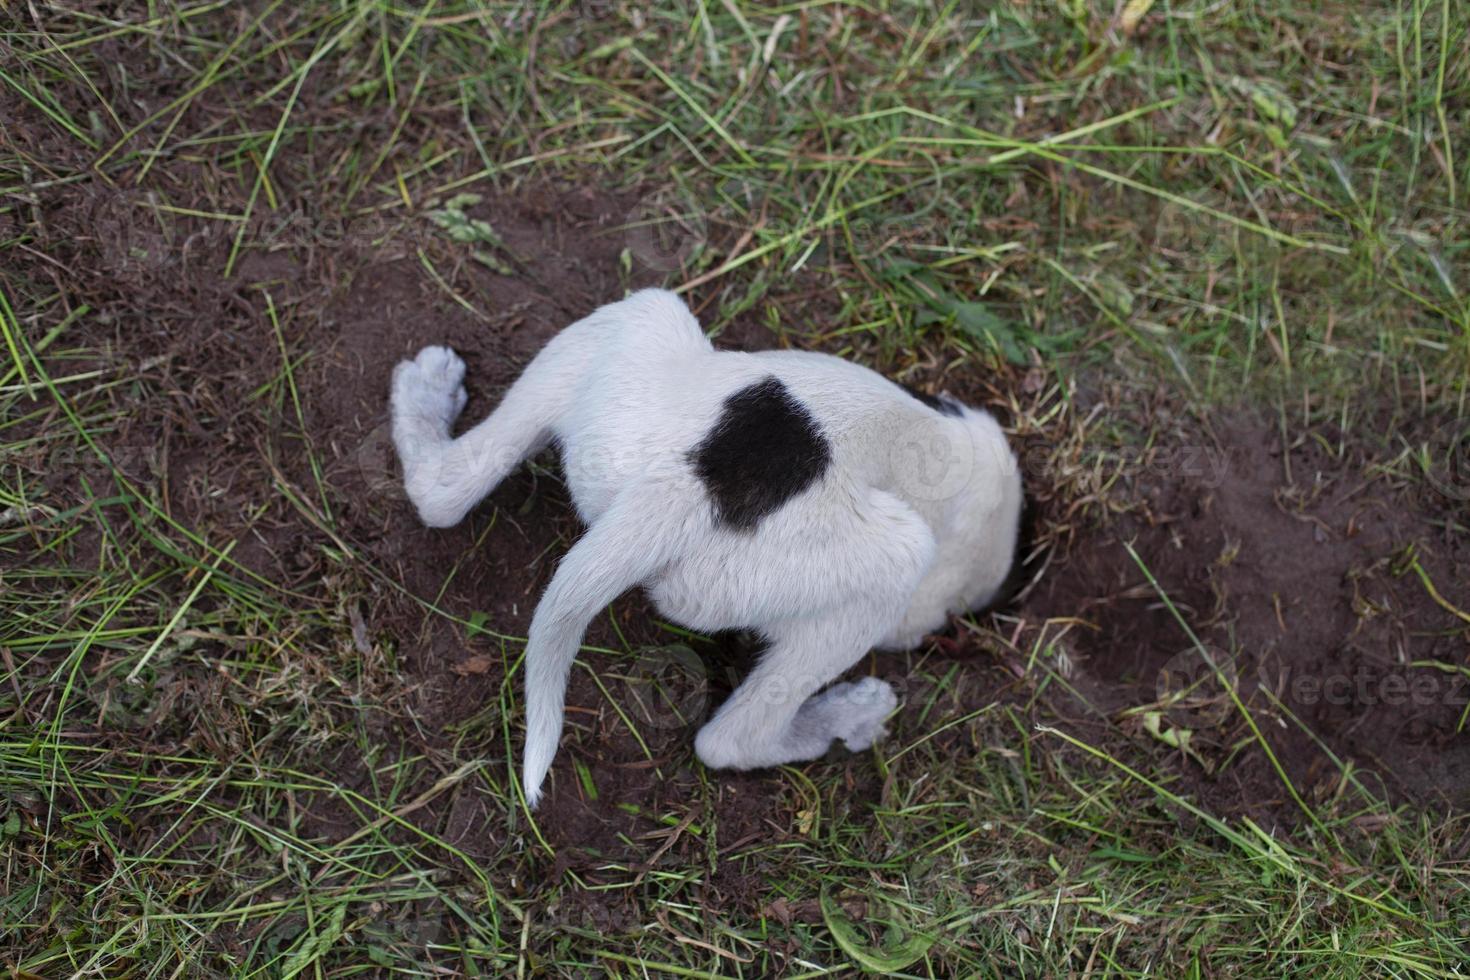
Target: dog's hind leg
{"points": [[776, 715], [444, 476]]}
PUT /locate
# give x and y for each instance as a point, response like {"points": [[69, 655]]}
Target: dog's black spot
{"points": [[764, 449], [941, 405]]}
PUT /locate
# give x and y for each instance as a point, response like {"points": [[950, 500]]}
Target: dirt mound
{"points": [[1309, 580]]}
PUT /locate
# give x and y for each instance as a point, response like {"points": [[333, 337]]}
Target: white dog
{"points": [[786, 492]]}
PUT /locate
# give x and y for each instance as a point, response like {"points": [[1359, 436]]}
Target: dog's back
{"points": [[655, 390]]}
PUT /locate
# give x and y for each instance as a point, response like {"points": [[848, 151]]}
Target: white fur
{"points": [[916, 517]]}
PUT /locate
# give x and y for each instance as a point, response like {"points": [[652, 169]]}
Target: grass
{"points": [[207, 768]]}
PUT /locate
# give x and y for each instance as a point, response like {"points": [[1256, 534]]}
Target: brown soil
{"points": [[1293, 567], [1289, 561]]}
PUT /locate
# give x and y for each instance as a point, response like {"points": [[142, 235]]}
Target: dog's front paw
{"points": [[866, 704], [430, 387]]}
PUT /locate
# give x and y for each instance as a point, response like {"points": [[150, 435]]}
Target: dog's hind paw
{"points": [[857, 711], [430, 387]]}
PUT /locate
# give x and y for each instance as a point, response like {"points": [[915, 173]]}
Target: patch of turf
{"points": [[251, 725]]}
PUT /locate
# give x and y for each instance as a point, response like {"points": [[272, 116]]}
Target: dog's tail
{"points": [[637, 536]]}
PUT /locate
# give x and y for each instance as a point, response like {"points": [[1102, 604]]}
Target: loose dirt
{"points": [[1295, 561], [1291, 564]]}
